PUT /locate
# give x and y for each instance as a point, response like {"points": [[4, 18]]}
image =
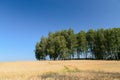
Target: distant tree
{"points": [[100, 48], [81, 43], [72, 43], [61, 49], [51, 46], [37, 51], [102, 44], [108, 41], [41, 48], [90, 36], [116, 42], [43, 44]]}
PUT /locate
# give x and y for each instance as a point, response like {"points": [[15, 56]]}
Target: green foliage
{"points": [[90, 36], [72, 42], [40, 51], [102, 44], [81, 43]]}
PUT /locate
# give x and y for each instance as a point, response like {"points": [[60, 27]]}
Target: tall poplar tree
{"points": [[81, 43], [72, 43]]}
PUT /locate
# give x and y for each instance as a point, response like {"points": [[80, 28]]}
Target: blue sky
{"points": [[23, 22]]}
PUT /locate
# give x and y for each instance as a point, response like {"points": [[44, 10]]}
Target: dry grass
{"points": [[60, 70]]}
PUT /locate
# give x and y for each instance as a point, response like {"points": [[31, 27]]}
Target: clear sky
{"points": [[23, 22]]}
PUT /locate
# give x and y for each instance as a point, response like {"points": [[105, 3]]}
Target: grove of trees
{"points": [[103, 44]]}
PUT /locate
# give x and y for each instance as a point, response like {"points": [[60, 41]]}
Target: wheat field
{"points": [[60, 70]]}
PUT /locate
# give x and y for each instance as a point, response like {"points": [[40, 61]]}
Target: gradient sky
{"points": [[23, 22]]}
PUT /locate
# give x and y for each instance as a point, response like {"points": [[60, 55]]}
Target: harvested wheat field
{"points": [[60, 70]]}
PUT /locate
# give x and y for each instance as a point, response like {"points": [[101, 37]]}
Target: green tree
{"points": [[43, 45], [37, 51], [100, 48], [90, 36], [61, 49], [81, 43], [103, 44], [51, 46], [40, 51], [72, 43], [115, 42]]}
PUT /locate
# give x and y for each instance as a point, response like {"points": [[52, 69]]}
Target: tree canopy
{"points": [[65, 44]]}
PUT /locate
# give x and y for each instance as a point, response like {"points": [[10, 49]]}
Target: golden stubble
{"points": [[32, 69]]}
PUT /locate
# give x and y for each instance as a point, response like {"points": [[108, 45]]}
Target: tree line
{"points": [[103, 44]]}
